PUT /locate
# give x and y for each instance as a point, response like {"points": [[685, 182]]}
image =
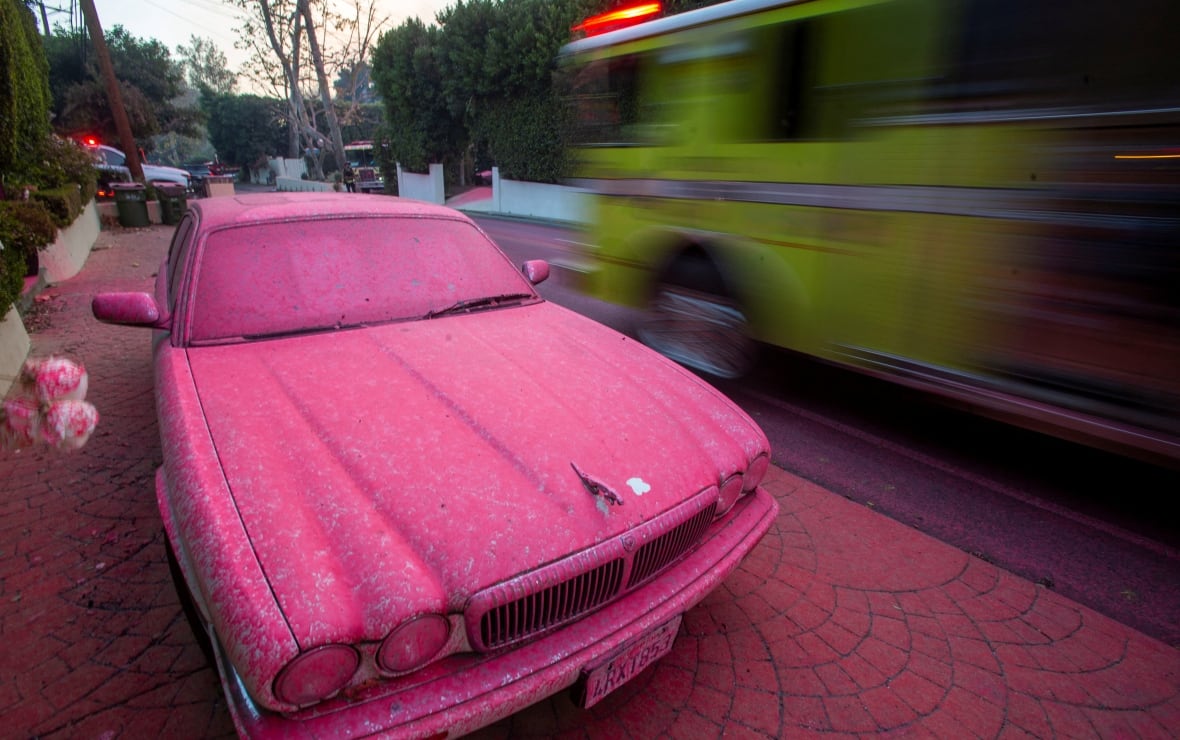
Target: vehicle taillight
{"points": [[413, 644], [316, 674], [628, 15]]}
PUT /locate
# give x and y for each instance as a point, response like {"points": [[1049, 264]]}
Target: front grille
{"points": [[568, 589], [660, 552], [553, 606]]}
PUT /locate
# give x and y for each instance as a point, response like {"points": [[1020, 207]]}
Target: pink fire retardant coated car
{"points": [[405, 494]]}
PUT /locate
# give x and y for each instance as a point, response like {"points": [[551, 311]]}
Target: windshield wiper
{"points": [[298, 331], [473, 304]]}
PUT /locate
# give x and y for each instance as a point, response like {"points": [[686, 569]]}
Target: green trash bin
{"points": [[131, 203], [173, 201]]}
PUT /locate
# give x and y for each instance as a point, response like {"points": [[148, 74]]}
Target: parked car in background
{"points": [[108, 157], [107, 175], [199, 172], [221, 168], [402, 491]]}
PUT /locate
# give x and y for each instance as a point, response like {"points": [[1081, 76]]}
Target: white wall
{"points": [[14, 348], [64, 258], [537, 200], [429, 188], [299, 185], [281, 167]]}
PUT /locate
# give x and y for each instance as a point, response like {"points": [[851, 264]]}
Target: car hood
{"points": [[385, 470]]}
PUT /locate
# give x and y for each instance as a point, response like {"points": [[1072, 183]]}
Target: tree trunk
{"points": [[291, 71], [317, 59]]}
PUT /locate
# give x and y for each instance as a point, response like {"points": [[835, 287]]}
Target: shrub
{"points": [[524, 137], [63, 162], [25, 227], [57, 166], [63, 204], [12, 276]]}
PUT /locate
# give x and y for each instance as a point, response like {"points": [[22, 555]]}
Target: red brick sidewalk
{"points": [[841, 623]]}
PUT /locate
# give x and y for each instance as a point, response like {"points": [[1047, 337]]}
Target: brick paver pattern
{"points": [[841, 623]]}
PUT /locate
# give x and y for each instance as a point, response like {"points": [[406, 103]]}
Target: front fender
{"points": [[225, 578]]}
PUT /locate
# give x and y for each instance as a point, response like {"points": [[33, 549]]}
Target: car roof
{"points": [[251, 208]]}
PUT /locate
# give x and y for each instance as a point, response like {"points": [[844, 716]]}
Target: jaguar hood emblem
{"points": [[597, 488]]}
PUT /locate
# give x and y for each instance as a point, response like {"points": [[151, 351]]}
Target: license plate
{"points": [[602, 678]]}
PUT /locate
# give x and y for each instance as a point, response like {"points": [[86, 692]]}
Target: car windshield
{"points": [[111, 157], [276, 279]]}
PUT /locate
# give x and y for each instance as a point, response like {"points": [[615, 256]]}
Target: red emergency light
{"points": [[628, 15]]}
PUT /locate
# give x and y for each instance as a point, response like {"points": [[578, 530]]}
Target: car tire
{"points": [[188, 605], [692, 319]]}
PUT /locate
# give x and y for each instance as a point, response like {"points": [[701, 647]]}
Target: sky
{"points": [[172, 22]]}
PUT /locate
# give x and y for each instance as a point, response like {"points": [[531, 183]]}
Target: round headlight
{"points": [[316, 674], [731, 488], [414, 643], [756, 472]]}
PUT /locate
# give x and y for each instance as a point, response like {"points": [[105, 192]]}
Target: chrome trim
{"points": [[533, 603]]}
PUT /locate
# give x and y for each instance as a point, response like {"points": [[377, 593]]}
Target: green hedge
{"points": [[63, 204], [25, 228], [12, 277], [524, 137]]}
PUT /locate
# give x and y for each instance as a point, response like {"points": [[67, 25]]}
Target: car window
{"points": [[290, 277]]}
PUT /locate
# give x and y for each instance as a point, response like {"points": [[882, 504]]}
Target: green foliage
{"points": [[62, 204], [12, 276], [523, 137], [178, 149], [482, 78], [464, 51], [482, 81], [150, 82], [360, 122], [206, 67], [24, 90], [245, 128], [25, 227], [406, 71], [63, 173], [56, 162]]}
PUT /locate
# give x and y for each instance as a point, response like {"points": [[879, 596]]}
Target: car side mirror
{"points": [[127, 309], [536, 271]]}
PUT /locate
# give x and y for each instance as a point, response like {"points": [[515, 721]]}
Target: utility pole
{"points": [[114, 98]]}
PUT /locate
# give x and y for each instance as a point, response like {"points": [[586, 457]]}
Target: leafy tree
{"points": [[420, 125], [464, 53], [497, 59], [150, 82], [492, 63], [355, 85], [283, 36], [24, 90], [363, 122], [205, 66], [245, 129]]}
